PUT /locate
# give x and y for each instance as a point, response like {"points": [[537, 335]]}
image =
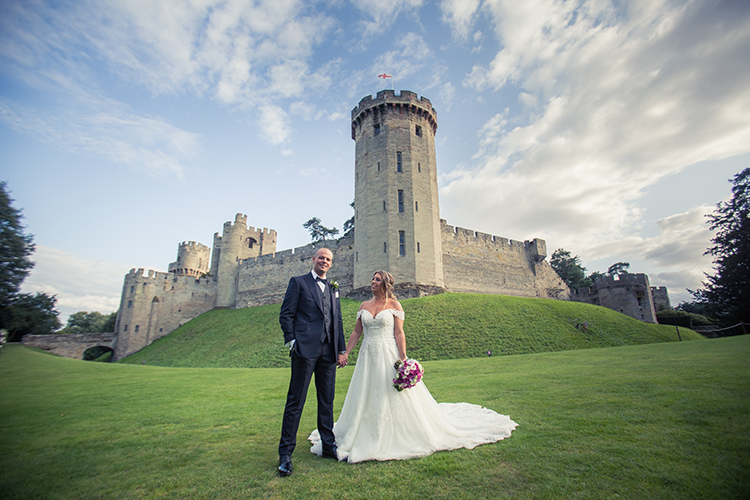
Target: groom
{"points": [[314, 333]]}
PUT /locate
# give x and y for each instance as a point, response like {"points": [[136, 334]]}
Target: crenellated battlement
{"points": [[160, 278], [388, 101], [536, 245], [192, 246]]}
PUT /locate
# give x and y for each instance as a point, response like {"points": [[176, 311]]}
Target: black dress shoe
{"points": [[285, 465], [332, 453]]}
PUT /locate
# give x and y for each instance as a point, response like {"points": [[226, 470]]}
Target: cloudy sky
{"points": [[608, 128]]}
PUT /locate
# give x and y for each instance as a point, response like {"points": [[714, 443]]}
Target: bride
{"points": [[377, 422]]}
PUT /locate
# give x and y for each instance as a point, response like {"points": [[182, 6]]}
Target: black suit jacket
{"points": [[301, 317]]}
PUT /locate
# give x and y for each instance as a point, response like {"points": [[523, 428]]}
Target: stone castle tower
{"points": [[192, 259], [237, 243], [397, 215]]}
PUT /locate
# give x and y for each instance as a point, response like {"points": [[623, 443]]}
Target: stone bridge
{"points": [[71, 345]]}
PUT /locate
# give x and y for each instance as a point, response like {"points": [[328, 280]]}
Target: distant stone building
{"points": [[630, 294], [397, 228]]}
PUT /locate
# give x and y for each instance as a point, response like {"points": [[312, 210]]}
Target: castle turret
{"points": [[397, 219], [192, 259], [237, 243]]}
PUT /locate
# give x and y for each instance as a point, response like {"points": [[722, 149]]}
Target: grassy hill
{"points": [[446, 326]]}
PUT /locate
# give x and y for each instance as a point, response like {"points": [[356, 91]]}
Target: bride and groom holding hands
{"points": [[377, 422]]}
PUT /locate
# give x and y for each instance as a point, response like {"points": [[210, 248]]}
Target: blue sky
{"points": [[608, 128]]}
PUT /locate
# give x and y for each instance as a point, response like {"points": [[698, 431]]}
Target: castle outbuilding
{"points": [[397, 227]]}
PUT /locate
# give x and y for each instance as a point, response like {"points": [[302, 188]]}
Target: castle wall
{"points": [[475, 262], [661, 298], [264, 279], [155, 304], [70, 345], [629, 294]]}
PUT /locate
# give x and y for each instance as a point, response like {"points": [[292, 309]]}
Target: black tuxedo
{"points": [[317, 344]]}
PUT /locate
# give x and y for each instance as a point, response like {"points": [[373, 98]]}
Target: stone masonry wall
{"points": [[475, 262], [156, 304], [264, 279]]}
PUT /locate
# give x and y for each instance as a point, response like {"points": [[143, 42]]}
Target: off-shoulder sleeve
{"points": [[398, 314], [359, 313]]}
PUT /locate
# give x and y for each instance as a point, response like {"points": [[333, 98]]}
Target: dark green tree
{"points": [[15, 249], [318, 232], [90, 322], [27, 313], [349, 224], [727, 292], [569, 269], [618, 268]]}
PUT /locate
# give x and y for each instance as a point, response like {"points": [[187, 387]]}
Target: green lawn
{"points": [[446, 326], [655, 421]]}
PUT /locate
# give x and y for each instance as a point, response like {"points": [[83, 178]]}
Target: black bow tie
{"points": [[321, 280]]}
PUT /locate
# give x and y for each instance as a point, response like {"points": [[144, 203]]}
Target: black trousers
{"points": [[324, 368]]}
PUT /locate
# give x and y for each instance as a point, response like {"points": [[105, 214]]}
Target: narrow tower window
{"points": [[377, 129], [378, 166], [400, 200], [416, 206], [419, 166], [398, 161], [418, 130], [385, 247], [401, 243], [383, 205], [417, 247]]}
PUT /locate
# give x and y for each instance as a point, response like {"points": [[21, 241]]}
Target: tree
{"points": [[569, 269], [618, 268], [728, 291], [90, 322], [318, 231], [15, 249], [27, 313], [349, 224]]}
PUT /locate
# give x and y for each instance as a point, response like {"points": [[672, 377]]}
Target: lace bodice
{"points": [[381, 325]]}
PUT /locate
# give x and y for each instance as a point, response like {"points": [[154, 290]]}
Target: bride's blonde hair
{"points": [[386, 284]]}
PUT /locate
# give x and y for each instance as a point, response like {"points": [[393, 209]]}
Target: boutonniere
{"points": [[335, 285]]}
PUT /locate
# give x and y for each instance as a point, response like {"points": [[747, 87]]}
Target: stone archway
{"points": [[99, 353]]}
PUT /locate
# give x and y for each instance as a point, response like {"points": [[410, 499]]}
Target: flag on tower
{"points": [[386, 76]]}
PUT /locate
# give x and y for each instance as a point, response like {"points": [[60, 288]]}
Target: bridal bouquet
{"points": [[408, 374]]}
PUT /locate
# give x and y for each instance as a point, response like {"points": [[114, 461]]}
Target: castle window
{"points": [[383, 205], [125, 328], [161, 330], [398, 162], [418, 131], [401, 243], [385, 247], [137, 327], [416, 206], [378, 166], [132, 288], [251, 242], [130, 303], [400, 200], [377, 129], [356, 256], [419, 166], [417, 247]]}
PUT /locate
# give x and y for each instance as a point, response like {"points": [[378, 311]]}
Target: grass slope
{"points": [[657, 421], [446, 326]]}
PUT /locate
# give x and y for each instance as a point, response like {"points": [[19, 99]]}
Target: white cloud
{"points": [[274, 124], [384, 12], [459, 15], [624, 99], [108, 129], [80, 283]]}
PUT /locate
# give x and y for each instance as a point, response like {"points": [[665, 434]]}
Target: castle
{"points": [[397, 227]]}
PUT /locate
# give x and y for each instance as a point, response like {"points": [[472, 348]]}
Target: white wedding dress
{"points": [[377, 422]]}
